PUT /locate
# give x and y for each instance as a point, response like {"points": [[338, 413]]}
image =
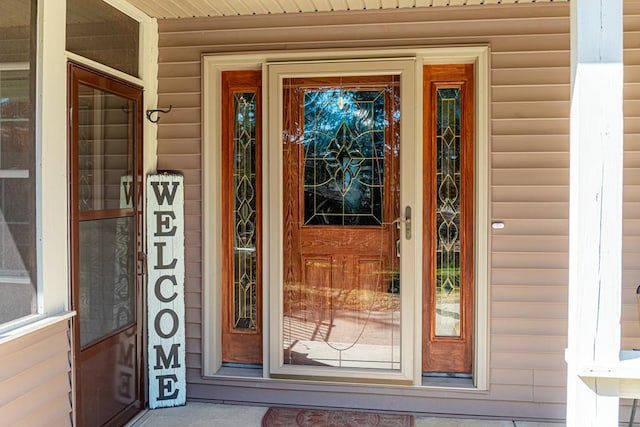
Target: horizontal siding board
{"points": [[528, 344], [542, 327], [528, 277], [530, 193], [550, 378], [530, 144], [530, 126], [530, 109], [35, 374], [505, 360], [523, 176], [531, 93], [512, 376], [529, 227], [529, 293], [530, 210], [525, 260], [537, 160]]}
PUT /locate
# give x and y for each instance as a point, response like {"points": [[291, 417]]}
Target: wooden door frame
{"points": [[234, 82], [448, 354], [80, 74]]}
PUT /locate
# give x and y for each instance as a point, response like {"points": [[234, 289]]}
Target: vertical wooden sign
{"points": [[165, 290]]}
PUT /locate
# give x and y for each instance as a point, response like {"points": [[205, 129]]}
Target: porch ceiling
{"points": [[201, 8]]}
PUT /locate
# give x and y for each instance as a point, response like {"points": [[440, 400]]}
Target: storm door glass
{"points": [[341, 287], [107, 221]]}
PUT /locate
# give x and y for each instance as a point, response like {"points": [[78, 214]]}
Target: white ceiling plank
{"points": [[288, 6], [355, 4], [322, 5], [188, 8], [198, 8], [182, 10], [339, 5], [371, 4], [152, 9], [241, 7], [257, 7], [224, 6], [306, 5], [389, 4], [424, 3]]}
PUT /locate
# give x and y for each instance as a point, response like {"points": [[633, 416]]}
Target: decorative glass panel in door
{"points": [[448, 219], [241, 213], [341, 292]]}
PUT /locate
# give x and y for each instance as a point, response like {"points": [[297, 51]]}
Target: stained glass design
{"points": [[344, 132], [244, 213], [448, 179]]}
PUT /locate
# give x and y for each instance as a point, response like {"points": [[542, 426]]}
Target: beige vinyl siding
{"points": [[631, 226], [529, 143], [35, 378]]}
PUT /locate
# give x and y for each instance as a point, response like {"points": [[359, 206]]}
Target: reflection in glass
{"points": [[107, 277], [448, 175], [244, 238], [104, 146], [344, 134], [341, 291]]}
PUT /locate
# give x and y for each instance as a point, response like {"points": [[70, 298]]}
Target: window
{"points": [[102, 33], [17, 160]]}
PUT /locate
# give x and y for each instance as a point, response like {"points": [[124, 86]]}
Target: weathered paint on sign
{"points": [[165, 290]]}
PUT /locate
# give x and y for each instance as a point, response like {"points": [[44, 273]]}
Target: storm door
{"points": [[341, 212], [105, 148]]}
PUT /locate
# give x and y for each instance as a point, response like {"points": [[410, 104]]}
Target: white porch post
{"points": [[595, 216]]}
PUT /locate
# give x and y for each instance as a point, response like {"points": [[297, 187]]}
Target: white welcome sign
{"points": [[165, 290]]}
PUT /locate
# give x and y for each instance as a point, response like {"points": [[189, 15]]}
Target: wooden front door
{"points": [[448, 197], [105, 149], [341, 196]]}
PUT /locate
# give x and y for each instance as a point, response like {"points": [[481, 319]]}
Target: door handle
{"points": [[407, 222]]}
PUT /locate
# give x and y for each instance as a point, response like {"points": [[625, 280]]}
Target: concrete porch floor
{"points": [[225, 415]]}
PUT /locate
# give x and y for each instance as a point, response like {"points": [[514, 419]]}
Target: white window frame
{"points": [[213, 66]]}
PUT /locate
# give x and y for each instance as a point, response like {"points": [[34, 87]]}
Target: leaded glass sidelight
{"points": [[244, 211], [344, 133], [448, 181]]}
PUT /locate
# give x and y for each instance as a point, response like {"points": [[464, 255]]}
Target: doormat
{"points": [[300, 417]]}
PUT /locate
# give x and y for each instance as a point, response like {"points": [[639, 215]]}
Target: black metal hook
{"points": [[150, 112]]}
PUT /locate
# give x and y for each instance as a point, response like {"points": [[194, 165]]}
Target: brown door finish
{"points": [[341, 193], [241, 217], [448, 161], [105, 160]]}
